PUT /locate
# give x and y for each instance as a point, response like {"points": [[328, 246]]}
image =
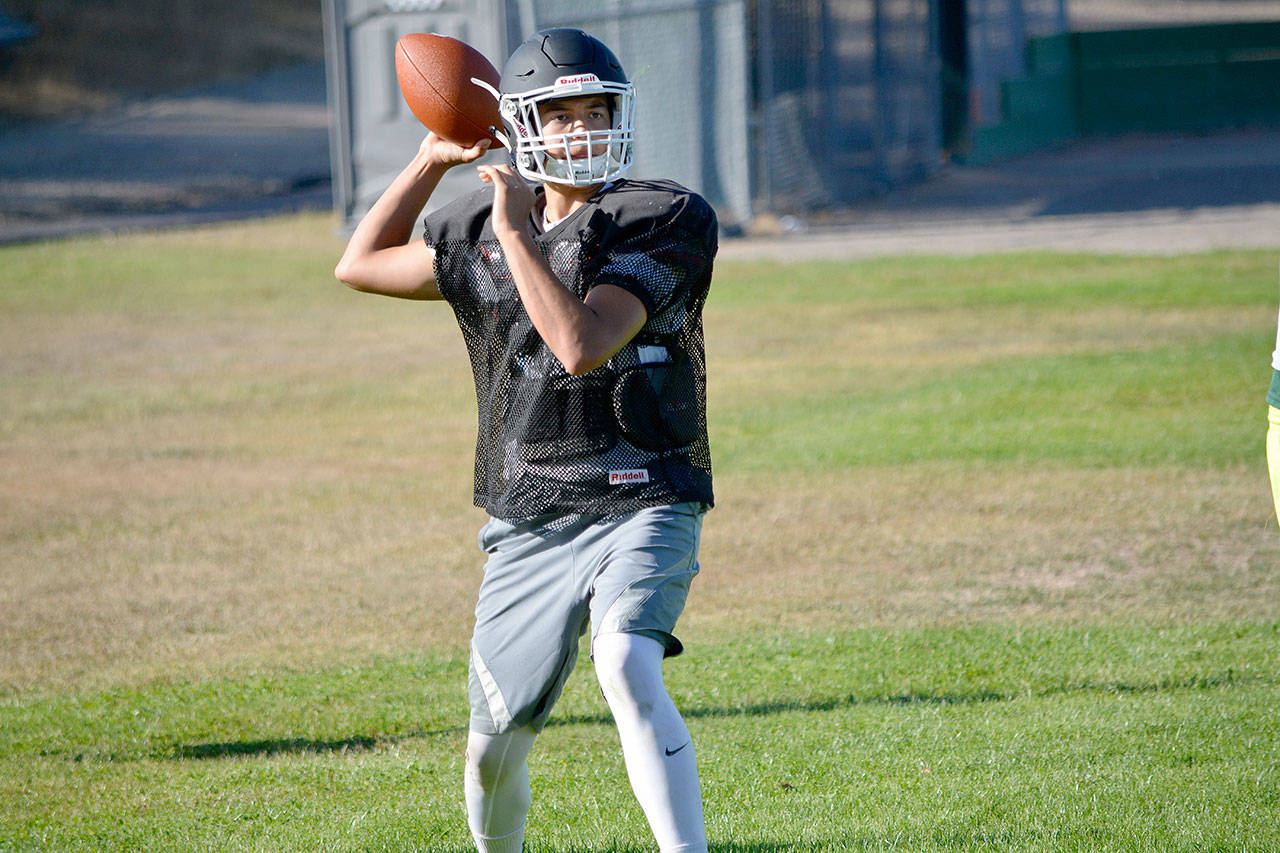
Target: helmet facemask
{"points": [[602, 155]]}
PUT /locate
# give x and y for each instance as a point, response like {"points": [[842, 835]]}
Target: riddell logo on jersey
{"points": [[577, 78], [635, 475]]}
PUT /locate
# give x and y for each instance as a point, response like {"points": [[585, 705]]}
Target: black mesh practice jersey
{"points": [[629, 434]]}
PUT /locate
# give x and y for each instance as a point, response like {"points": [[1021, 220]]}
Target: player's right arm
{"points": [[381, 256]]}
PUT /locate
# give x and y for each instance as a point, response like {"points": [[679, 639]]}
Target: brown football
{"points": [[434, 73]]}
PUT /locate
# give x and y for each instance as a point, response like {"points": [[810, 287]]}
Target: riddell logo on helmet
{"points": [[577, 79], [634, 475]]}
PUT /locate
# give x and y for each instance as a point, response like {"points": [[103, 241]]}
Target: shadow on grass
{"points": [[922, 698], [812, 706], [368, 743], [276, 746], [302, 746], [731, 847], [941, 837], [938, 838]]}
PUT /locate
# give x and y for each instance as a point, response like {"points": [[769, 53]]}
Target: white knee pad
{"points": [[492, 758], [496, 784], [629, 669]]}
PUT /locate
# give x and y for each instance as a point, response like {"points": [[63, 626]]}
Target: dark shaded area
{"points": [[89, 55], [277, 746], [1183, 189], [299, 746], [1135, 173], [953, 50]]}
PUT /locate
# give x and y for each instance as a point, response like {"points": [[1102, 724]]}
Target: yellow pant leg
{"points": [[1273, 454]]}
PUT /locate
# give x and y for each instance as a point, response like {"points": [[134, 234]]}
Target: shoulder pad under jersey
{"points": [[466, 218], [633, 208]]}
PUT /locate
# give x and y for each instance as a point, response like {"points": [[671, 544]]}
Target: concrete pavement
{"points": [[1157, 194], [261, 146], [249, 148]]}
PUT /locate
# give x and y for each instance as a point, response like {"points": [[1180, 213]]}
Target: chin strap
{"points": [[497, 132]]}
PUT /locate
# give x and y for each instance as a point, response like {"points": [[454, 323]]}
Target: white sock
{"points": [[496, 785], [513, 843], [655, 740]]}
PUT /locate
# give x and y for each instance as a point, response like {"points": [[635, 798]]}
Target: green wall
{"points": [[1192, 78]]}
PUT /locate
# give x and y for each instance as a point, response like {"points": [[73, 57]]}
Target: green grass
{"points": [[993, 566], [990, 736], [1026, 358]]}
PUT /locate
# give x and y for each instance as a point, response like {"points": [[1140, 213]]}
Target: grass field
{"points": [[993, 564]]}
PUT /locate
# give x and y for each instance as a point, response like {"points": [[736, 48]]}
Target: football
{"points": [[434, 73]]}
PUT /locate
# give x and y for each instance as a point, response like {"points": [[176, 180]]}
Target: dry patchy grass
{"points": [[939, 543], [265, 470]]}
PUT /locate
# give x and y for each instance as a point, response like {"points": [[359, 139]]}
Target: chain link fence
{"points": [[845, 100], [793, 105], [689, 61], [764, 106]]}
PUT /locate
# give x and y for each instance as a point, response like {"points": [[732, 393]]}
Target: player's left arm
{"points": [[582, 333]]}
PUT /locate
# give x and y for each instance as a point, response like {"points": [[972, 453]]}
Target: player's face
{"points": [[571, 119]]}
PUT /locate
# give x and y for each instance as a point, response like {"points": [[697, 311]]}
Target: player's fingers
{"points": [[499, 175], [499, 172]]}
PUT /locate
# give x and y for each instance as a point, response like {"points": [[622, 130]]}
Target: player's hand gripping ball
{"points": [[434, 73]]}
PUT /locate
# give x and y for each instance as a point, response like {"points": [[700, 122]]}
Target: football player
{"points": [[1273, 429], [580, 302]]}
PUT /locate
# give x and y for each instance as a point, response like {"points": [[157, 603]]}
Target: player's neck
{"points": [[562, 200]]}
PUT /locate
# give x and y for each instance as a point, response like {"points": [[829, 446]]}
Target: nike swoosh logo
{"points": [[671, 752]]}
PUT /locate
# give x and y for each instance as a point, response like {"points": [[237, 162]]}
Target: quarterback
{"points": [[580, 303]]}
